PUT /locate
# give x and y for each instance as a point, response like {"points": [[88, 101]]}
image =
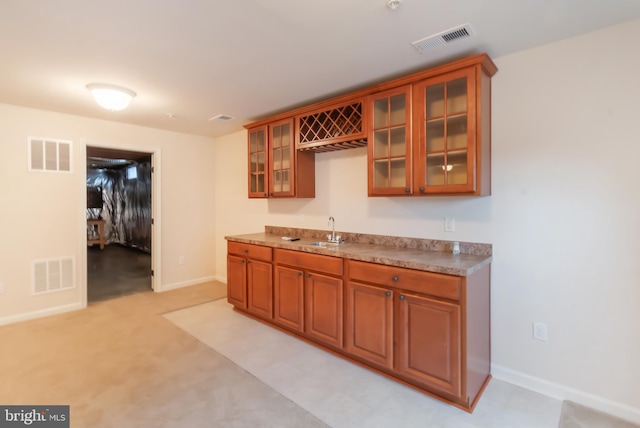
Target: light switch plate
{"points": [[449, 224]]}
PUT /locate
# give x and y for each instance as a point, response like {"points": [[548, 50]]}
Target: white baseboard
{"points": [[175, 285], [41, 313], [562, 392], [222, 279]]}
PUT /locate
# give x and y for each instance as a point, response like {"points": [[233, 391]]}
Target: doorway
{"points": [[119, 222]]}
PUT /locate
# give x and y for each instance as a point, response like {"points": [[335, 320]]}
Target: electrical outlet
{"points": [[449, 224], [182, 260], [539, 331]]}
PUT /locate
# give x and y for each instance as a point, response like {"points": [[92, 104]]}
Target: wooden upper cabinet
{"points": [[452, 122], [276, 168], [281, 155], [428, 133], [389, 148], [258, 162], [332, 127]]}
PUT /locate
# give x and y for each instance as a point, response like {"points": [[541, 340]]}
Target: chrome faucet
{"points": [[332, 223]]}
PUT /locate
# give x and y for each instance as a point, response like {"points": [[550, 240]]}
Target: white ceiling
{"points": [[195, 59]]}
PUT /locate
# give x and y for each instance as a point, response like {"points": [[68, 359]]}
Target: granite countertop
{"points": [[413, 253]]}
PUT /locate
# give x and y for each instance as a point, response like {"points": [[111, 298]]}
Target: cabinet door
{"points": [[323, 308], [369, 319], [281, 158], [289, 298], [260, 288], [428, 333], [258, 162], [237, 281], [446, 133], [389, 151]]}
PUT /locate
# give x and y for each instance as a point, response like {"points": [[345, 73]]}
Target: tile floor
{"points": [[342, 394]]}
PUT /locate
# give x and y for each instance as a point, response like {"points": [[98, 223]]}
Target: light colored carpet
{"points": [[577, 416], [119, 363]]}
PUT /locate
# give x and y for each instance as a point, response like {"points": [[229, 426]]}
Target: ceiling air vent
{"points": [[444, 38], [220, 118]]}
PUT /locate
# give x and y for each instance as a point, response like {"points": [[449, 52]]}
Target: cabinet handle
{"points": [[401, 297], [395, 279], [388, 293], [308, 275]]}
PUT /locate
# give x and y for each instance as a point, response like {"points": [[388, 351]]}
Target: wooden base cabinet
{"points": [[289, 301], [427, 329], [309, 290], [369, 323], [250, 278], [429, 343], [323, 308]]}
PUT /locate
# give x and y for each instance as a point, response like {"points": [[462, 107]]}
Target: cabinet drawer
{"points": [[256, 252], [434, 284], [317, 262]]}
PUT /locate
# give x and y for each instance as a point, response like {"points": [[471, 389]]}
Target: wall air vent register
{"points": [[49, 155]]}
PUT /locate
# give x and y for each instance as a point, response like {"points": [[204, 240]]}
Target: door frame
{"points": [[156, 227]]}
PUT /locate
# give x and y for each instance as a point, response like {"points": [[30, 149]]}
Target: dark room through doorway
{"points": [[119, 223]]}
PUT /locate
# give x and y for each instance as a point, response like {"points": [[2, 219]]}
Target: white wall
{"points": [[562, 218], [42, 215]]}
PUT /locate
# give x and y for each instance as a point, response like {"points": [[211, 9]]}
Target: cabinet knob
{"points": [[299, 273], [245, 251], [308, 275], [407, 190], [401, 297], [388, 293], [395, 279], [242, 261], [248, 261], [422, 190]]}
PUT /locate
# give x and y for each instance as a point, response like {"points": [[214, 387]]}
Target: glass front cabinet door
{"points": [[281, 158], [449, 121], [389, 148], [258, 162]]}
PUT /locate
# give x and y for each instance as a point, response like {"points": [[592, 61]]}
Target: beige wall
{"points": [[563, 217], [42, 215]]}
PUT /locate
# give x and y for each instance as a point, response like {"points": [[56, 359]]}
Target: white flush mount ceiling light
{"points": [[111, 97], [393, 4]]}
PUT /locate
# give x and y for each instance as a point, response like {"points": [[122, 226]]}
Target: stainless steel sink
{"points": [[326, 244]]}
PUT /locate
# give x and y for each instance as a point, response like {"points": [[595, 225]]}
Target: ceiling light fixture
{"points": [[393, 4], [111, 97]]}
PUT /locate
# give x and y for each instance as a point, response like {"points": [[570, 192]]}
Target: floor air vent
{"points": [[52, 275], [444, 38]]}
